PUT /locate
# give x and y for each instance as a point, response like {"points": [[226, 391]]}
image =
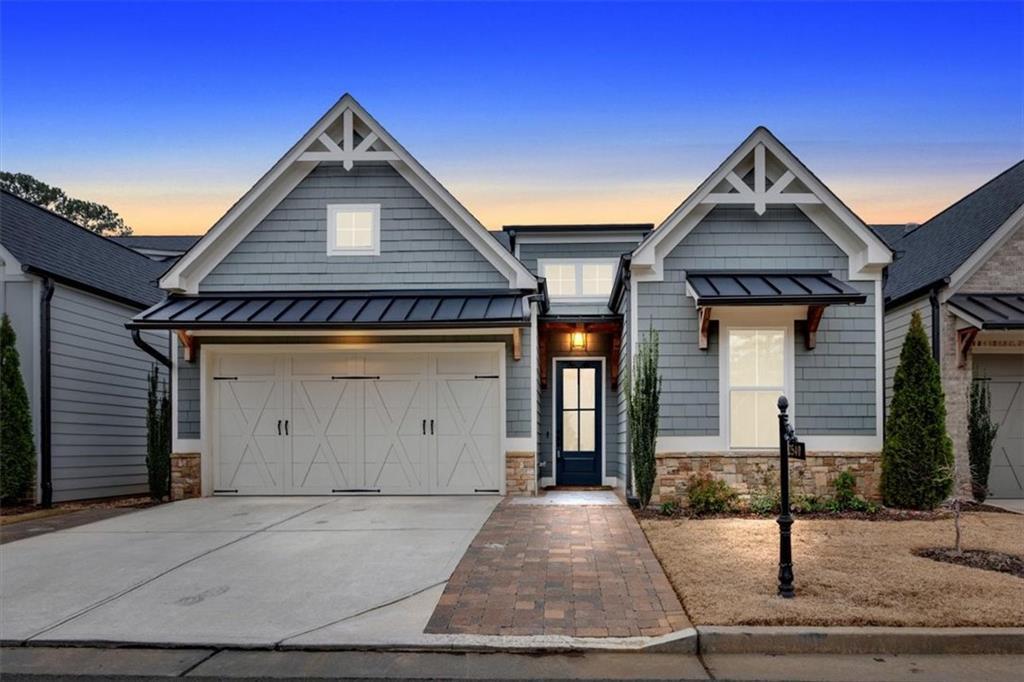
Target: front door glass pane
{"points": [[570, 432], [570, 388], [588, 433], [588, 391]]}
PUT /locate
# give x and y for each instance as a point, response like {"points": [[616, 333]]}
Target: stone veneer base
{"points": [[746, 472], [520, 473], [186, 475]]}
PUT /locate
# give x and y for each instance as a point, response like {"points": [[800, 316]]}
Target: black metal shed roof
{"points": [[338, 310], [992, 311], [770, 288]]}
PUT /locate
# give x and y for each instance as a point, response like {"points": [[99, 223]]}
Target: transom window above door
{"points": [[578, 278], [757, 362], [353, 230]]}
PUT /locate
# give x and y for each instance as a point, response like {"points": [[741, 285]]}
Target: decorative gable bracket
{"points": [[348, 152], [760, 195]]}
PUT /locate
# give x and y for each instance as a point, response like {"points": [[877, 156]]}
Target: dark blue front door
{"points": [[578, 422]]}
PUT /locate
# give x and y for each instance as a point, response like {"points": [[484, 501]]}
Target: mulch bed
{"points": [[977, 558], [29, 511]]}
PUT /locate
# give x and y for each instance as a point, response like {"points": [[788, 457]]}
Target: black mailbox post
{"points": [[789, 446]]}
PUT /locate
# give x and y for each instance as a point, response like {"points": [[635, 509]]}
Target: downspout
{"points": [[933, 299], [45, 422], [152, 352], [164, 360]]}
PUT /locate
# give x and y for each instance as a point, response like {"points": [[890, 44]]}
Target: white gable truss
{"points": [[333, 138], [776, 178]]}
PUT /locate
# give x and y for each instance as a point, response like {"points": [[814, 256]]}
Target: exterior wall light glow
{"points": [[578, 339]]}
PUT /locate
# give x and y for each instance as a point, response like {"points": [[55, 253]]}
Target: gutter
{"points": [[152, 352], [45, 398]]}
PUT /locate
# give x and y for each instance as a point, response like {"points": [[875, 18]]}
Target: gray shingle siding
{"points": [[620, 395], [517, 379], [897, 324], [840, 369], [98, 397], [287, 250]]}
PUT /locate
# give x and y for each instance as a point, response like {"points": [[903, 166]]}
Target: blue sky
{"points": [[528, 112]]}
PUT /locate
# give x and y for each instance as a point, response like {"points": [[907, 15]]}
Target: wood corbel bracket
{"points": [[814, 315], [964, 340], [188, 342], [517, 344], [704, 314], [616, 353], [542, 351]]}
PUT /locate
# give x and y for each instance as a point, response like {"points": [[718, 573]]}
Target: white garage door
{"points": [[1006, 385], [323, 423]]}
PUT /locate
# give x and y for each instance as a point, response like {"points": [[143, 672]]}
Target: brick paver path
{"points": [[585, 571]]}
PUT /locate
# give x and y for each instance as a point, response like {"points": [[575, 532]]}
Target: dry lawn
{"points": [[847, 572]]}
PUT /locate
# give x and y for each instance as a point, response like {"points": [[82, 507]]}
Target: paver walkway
{"points": [[583, 570]]}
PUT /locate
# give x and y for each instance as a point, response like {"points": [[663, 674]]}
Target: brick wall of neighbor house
{"points": [[186, 475], [287, 251], [520, 473], [1003, 272], [747, 472], [956, 383]]}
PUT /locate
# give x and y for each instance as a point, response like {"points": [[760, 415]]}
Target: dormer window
{"points": [[583, 278], [353, 230]]}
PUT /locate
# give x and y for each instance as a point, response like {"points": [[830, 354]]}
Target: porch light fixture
{"points": [[578, 339]]}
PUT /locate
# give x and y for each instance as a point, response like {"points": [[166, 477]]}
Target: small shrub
{"points": [[846, 498], [643, 392], [808, 504], [764, 502], [708, 495], [669, 508], [158, 434]]}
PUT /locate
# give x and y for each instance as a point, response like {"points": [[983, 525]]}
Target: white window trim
{"points": [[332, 233], [782, 318], [579, 263]]}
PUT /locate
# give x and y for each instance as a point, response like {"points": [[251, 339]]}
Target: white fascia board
{"points": [[867, 253], [285, 175], [570, 237], [982, 254]]}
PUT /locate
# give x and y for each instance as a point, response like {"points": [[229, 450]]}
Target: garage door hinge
{"points": [[486, 376], [356, 490], [356, 376], [225, 378]]}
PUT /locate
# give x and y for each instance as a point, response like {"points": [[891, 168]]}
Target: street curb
{"points": [[858, 640], [679, 642]]}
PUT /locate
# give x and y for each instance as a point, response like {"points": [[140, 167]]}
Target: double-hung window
{"points": [[757, 369], [579, 279], [353, 230]]}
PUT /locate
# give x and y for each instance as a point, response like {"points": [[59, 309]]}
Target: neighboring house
{"points": [[159, 247], [349, 327], [963, 270], [69, 293]]}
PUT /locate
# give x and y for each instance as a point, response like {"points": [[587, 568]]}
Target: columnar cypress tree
{"points": [[158, 450], [981, 433], [643, 394], [917, 459], [17, 449]]}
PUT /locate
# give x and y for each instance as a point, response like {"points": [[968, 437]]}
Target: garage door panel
{"points": [[324, 435], [1005, 377], [468, 435], [394, 443], [247, 413]]}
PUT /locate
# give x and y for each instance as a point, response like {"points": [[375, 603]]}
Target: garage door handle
{"points": [[279, 427], [431, 427], [286, 427], [424, 427]]}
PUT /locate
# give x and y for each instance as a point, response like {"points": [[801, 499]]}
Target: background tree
{"points": [[99, 218], [17, 449], [158, 443], [917, 458], [981, 433], [643, 395]]}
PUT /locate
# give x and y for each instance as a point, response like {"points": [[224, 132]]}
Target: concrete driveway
{"points": [[238, 571]]}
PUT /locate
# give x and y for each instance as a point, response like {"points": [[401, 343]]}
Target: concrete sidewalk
{"points": [[39, 663]]}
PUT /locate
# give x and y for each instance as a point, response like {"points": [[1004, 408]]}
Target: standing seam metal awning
{"points": [[362, 310], [715, 288], [991, 311]]}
